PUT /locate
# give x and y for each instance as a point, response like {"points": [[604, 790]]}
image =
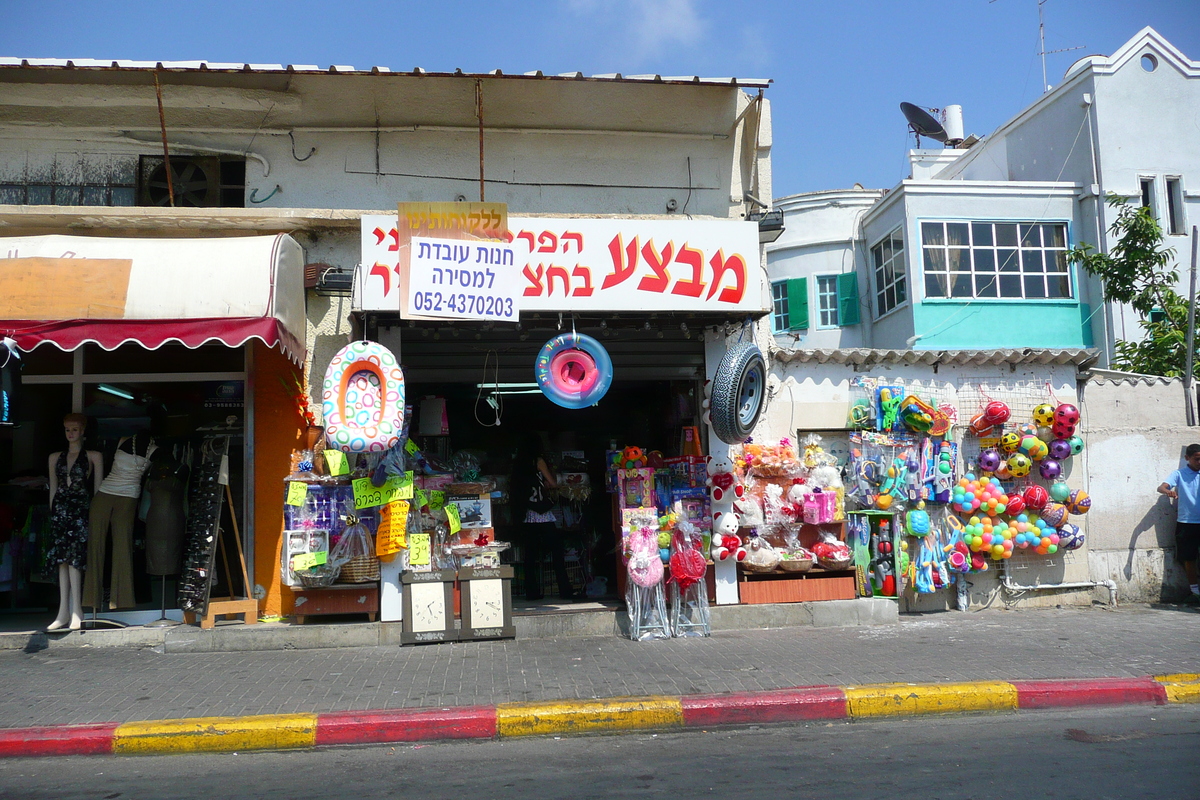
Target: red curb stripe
{"points": [[1089, 692], [406, 725], [779, 705], [58, 740]]}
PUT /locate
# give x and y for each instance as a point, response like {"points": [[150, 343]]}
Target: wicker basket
{"points": [[748, 566], [317, 577], [796, 564], [360, 569]]}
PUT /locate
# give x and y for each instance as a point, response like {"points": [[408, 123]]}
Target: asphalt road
{"points": [[1111, 753]]}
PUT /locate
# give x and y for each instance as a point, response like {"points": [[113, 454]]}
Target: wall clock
{"points": [[428, 599], [486, 603]]}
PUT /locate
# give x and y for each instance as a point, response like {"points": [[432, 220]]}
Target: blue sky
{"points": [[840, 67]]}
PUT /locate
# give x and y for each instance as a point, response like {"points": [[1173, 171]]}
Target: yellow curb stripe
{"points": [[1180, 688], [582, 716], [220, 734], [895, 699]]}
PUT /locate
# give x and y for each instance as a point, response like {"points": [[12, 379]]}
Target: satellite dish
{"points": [[922, 124]]}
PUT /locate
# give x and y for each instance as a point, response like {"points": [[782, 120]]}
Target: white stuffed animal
{"points": [[723, 485], [725, 541]]}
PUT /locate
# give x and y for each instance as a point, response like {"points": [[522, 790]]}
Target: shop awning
{"points": [[71, 290]]}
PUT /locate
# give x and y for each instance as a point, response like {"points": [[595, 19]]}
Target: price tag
{"points": [[452, 515], [393, 528], [436, 500], [418, 550], [307, 560], [421, 498], [368, 495], [337, 462], [296, 493], [411, 448]]}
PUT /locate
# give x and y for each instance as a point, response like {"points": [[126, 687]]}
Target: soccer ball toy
{"points": [[1010, 442], [1019, 465], [1043, 415], [1067, 414]]}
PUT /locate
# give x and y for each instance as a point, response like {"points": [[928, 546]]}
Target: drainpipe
{"points": [[1008, 584]]}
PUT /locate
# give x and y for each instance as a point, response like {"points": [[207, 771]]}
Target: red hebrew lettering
{"points": [[385, 272], [508, 237], [527, 235], [560, 272], [622, 271], [534, 289], [380, 236], [695, 259], [585, 273], [720, 265], [662, 277], [569, 235], [548, 241]]}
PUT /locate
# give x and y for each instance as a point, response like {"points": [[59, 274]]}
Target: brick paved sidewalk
{"points": [[81, 685]]}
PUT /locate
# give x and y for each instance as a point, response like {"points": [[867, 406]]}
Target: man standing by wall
{"points": [[1183, 486]]}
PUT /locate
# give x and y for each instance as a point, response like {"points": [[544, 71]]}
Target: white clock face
{"points": [[428, 606], [487, 603]]}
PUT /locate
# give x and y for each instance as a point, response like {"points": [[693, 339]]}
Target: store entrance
{"points": [[578, 446]]}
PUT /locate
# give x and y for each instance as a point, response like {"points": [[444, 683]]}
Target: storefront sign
{"points": [[462, 280], [368, 495], [601, 264]]}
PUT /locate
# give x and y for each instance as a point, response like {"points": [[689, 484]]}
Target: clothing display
{"points": [[115, 507], [69, 513], [125, 478]]}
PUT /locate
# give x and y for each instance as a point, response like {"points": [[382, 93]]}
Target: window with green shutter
{"points": [[797, 292], [847, 296]]}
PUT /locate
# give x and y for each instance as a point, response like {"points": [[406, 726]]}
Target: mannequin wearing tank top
{"points": [[114, 509]]}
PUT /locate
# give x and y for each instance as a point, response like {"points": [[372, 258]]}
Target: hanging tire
{"points": [[738, 392]]}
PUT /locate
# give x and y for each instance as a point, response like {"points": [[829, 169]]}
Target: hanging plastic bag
{"points": [[355, 554]]}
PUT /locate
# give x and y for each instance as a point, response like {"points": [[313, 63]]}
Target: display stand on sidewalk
{"points": [[227, 606]]}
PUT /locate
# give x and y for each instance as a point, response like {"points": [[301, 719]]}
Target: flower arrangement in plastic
{"points": [[770, 460]]}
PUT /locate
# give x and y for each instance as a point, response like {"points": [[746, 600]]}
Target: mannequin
{"points": [[115, 507], [70, 499]]}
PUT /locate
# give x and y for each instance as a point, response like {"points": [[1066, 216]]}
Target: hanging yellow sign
{"points": [[368, 495], [336, 460], [392, 536], [455, 522], [418, 550], [296, 493]]}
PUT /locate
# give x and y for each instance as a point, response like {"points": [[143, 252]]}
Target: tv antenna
{"points": [[1042, 51]]}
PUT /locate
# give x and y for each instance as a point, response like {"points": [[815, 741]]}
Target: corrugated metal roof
{"points": [[1130, 378], [338, 69], [868, 357]]}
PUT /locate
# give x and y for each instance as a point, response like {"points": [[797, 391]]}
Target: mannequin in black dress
{"points": [[70, 499]]}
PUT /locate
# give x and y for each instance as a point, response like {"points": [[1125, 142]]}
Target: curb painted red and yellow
{"points": [[505, 720]]}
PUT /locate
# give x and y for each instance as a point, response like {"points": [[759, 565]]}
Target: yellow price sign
{"points": [[296, 493], [308, 560], [411, 448], [452, 515], [337, 462], [420, 498], [393, 528], [368, 495], [436, 500], [418, 550]]}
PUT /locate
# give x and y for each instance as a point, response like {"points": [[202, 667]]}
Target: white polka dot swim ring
{"points": [[363, 399]]}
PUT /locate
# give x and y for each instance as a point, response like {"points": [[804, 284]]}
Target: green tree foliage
{"points": [[1138, 272]]}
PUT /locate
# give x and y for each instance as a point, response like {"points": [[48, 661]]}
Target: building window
{"points": [[827, 301], [891, 288], [779, 306], [1025, 260], [1147, 185], [1176, 224], [70, 179]]}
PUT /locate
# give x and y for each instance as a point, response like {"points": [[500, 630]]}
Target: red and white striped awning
{"points": [[71, 290]]}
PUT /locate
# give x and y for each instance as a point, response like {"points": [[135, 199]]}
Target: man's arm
{"points": [[1165, 489]]}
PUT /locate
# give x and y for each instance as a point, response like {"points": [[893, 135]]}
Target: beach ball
{"points": [[1054, 514], [1010, 442], [1049, 469], [1043, 415], [1076, 443], [1070, 537], [1067, 414], [1079, 502], [1018, 465], [989, 460], [1036, 496], [1060, 449]]}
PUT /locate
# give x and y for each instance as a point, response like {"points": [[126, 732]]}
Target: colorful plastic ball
{"points": [[1067, 414], [1043, 415], [1019, 465], [1010, 442], [1060, 449], [1070, 537], [1015, 504], [1045, 433], [1002, 471], [1079, 502], [1027, 429], [1049, 469], [1054, 514], [1034, 447], [1060, 492], [1061, 430], [1076, 443], [989, 460], [1036, 496]]}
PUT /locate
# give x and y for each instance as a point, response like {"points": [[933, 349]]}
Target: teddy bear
{"points": [[723, 485], [725, 541]]}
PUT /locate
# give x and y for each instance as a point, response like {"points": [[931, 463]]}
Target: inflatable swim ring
{"points": [[573, 370], [363, 399]]}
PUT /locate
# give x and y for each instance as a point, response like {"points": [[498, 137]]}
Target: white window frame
{"points": [[1176, 221], [780, 313], [879, 268], [989, 276], [822, 295]]}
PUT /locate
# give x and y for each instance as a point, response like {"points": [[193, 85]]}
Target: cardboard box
{"points": [[474, 510]]}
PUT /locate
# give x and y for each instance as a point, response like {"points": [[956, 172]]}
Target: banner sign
{"points": [[463, 280], [598, 265]]}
